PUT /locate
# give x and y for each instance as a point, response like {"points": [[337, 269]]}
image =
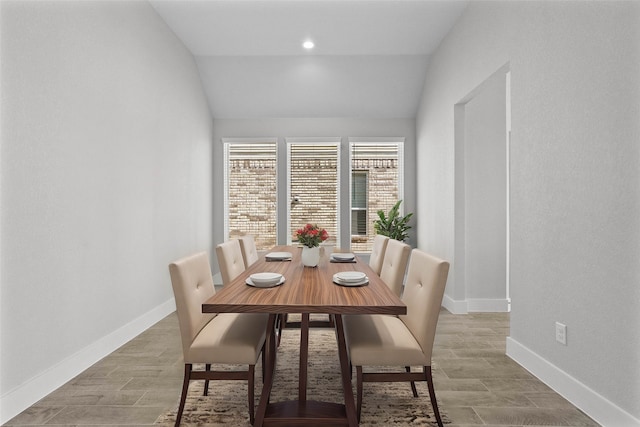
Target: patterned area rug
{"points": [[384, 404]]}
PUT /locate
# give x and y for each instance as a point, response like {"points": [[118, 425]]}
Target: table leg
{"points": [[270, 367], [345, 369], [304, 359]]}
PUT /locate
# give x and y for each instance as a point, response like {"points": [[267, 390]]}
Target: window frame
{"points": [[227, 142], [332, 141], [397, 142], [344, 181]]}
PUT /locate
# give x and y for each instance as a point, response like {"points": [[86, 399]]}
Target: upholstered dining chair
{"points": [[407, 340], [394, 265], [249, 250], [377, 253], [231, 267], [224, 338], [230, 260]]}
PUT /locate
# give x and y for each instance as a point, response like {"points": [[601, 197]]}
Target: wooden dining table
{"points": [[306, 290]]}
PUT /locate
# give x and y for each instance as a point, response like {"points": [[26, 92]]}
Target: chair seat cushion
{"points": [[380, 340], [234, 338]]}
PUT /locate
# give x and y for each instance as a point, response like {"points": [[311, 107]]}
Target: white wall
{"points": [[282, 128], [575, 185], [106, 178]]}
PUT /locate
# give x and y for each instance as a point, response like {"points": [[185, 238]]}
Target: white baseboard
{"points": [[488, 305], [591, 403], [455, 306], [475, 305], [20, 398]]}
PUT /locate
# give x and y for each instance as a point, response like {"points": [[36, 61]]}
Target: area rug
{"points": [[384, 404]]}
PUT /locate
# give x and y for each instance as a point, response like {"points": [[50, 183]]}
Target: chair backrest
{"points": [[394, 265], [192, 285], [249, 250], [230, 260], [423, 293], [377, 252]]}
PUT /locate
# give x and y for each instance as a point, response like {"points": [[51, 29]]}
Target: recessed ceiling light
{"points": [[308, 44]]}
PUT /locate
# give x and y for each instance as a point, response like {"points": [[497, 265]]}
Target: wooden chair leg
{"points": [[359, 390], [185, 388], [263, 363], [432, 395], [250, 387], [206, 382], [413, 383], [282, 319]]}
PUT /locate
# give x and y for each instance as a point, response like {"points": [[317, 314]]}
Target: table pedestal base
{"points": [[295, 413], [303, 412]]}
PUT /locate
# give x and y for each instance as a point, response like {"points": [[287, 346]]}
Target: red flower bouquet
{"points": [[311, 235]]}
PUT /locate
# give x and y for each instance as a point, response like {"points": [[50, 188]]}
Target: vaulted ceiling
{"points": [[369, 60]]}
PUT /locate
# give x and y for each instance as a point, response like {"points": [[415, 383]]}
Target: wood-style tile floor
{"points": [[476, 384]]}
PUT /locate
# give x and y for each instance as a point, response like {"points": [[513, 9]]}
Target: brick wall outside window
{"points": [[252, 200], [317, 189]]}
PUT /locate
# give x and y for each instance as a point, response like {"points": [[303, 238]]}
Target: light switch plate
{"points": [[561, 333]]}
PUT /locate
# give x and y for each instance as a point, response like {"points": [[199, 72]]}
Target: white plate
{"points": [[279, 255], [250, 283], [266, 278], [343, 256], [362, 282], [350, 276]]}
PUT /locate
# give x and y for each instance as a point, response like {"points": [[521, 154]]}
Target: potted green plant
{"points": [[393, 225]]}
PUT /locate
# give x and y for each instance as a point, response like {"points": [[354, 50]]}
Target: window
{"points": [[313, 184], [310, 190], [359, 203], [376, 184], [250, 190]]}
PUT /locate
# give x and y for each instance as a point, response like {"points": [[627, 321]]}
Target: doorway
{"points": [[482, 121]]}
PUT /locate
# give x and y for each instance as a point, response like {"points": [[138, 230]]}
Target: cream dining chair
{"points": [[225, 338], [377, 253], [394, 265], [230, 260], [248, 249], [407, 340]]}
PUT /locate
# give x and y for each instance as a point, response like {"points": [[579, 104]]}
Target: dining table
{"points": [[305, 291]]}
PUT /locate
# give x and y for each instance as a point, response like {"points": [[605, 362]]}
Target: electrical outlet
{"points": [[561, 333]]}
